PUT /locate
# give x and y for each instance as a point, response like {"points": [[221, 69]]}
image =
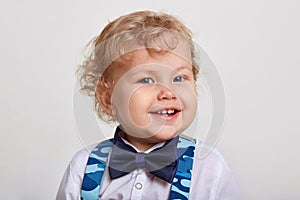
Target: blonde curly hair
{"points": [[125, 34]]}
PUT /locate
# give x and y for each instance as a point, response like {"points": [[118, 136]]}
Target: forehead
{"points": [[172, 59], [144, 57]]}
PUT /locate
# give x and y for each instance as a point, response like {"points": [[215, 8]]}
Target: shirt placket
{"points": [[138, 186]]}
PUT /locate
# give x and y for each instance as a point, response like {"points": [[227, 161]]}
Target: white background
{"points": [[254, 44]]}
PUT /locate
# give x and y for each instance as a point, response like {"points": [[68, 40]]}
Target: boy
{"points": [[142, 73]]}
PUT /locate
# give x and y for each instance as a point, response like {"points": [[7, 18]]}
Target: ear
{"points": [[103, 95]]}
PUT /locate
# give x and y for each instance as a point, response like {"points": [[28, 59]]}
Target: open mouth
{"points": [[167, 112]]}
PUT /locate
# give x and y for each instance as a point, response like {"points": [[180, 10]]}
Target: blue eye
{"points": [[178, 79], [147, 81]]}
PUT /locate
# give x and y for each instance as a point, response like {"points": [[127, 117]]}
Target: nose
{"points": [[166, 94]]}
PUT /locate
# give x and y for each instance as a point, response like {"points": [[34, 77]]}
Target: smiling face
{"points": [[154, 98]]}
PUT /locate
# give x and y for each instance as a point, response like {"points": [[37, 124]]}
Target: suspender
{"points": [[97, 163]]}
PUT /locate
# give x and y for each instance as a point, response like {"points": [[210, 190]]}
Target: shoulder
{"points": [[79, 161], [206, 156], [80, 158], [70, 185], [212, 175], [208, 163]]}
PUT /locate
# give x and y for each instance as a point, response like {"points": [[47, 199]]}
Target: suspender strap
{"points": [[94, 171], [97, 163], [182, 181]]}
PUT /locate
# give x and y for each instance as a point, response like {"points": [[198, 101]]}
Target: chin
{"points": [[165, 134]]}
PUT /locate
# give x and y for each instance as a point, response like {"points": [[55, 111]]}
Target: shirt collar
{"points": [[121, 142]]}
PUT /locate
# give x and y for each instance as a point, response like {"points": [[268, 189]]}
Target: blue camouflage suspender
{"points": [[97, 163]]}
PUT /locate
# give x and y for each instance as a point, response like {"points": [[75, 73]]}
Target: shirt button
{"points": [[138, 186]]}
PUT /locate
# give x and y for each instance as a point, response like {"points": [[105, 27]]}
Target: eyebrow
{"points": [[150, 71], [184, 67]]}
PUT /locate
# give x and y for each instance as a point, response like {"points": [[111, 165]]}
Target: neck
{"points": [[140, 143]]}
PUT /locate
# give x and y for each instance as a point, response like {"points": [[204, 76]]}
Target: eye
{"points": [[178, 79], [147, 81]]}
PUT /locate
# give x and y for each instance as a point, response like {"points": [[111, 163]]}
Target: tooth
{"points": [[170, 111], [163, 112]]}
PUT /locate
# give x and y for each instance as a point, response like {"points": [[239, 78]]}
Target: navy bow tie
{"points": [[161, 162]]}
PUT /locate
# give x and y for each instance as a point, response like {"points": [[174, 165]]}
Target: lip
{"points": [[160, 113]]}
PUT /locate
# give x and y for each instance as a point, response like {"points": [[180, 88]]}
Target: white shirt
{"points": [[212, 179]]}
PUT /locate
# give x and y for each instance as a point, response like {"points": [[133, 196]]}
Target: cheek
{"points": [[188, 100], [140, 103]]}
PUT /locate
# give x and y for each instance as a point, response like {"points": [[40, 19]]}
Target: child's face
{"points": [[154, 97]]}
